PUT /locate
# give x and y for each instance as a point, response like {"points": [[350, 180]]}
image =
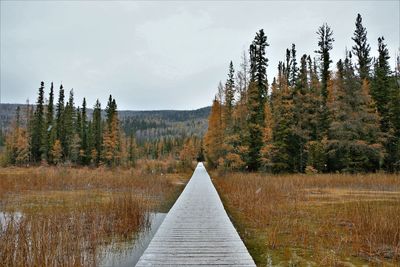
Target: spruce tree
{"points": [[97, 133], [69, 143], [229, 98], [325, 45], [361, 49], [257, 97], [354, 135], [302, 79], [293, 71], [230, 157], [60, 127], [282, 159], [50, 136], [381, 84], [83, 134], [394, 117], [38, 127]]}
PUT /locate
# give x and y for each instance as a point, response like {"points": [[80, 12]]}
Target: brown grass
{"points": [[68, 215], [321, 220]]}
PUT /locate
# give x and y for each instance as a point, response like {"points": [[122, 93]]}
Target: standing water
{"points": [[130, 253]]}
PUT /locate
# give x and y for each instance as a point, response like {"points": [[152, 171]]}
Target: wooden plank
{"points": [[197, 231]]}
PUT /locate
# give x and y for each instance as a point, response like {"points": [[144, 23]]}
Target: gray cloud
{"points": [[164, 55]]}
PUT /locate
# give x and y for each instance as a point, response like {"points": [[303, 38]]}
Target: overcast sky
{"points": [[165, 55]]}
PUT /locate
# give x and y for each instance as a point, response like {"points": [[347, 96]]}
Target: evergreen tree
{"points": [[282, 129], [268, 146], [83, 134], [111, 152], [38, 127], [229, 98], [50, 131], [361, 49], [302, 79], [69, 143], [306, 101], [293, 70], [381, 84], [394, 117], [257, 97], [231, 157], [97, 133], [325, 45], [110, 110], [60, 127], [354, 135]]}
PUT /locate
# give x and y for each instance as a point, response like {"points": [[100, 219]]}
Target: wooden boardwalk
{"points": [[197, 231]]}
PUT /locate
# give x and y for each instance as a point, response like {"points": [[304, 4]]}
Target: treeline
{"points": [[55, 133], [60, 133], [311, 118]]}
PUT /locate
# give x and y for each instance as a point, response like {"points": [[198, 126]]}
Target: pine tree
{"points": [[361, 49], [257, 97], [38, 128]]}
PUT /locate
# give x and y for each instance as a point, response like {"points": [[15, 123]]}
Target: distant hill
{"points": [[146, 125]]}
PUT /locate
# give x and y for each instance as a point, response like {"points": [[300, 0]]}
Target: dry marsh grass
{"points": [[64, 216], [318, 220]]}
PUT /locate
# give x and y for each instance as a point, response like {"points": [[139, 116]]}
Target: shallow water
{"points": [[6, 217], [128, 254]]}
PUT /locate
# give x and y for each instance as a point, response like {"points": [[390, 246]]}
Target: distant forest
{"points": [[312, 117], [61, 133]]}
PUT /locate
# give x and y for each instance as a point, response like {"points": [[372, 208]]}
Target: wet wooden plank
{"points": [[197, 231]]}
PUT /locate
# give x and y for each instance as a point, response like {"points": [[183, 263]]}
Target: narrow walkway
{"points": [[197, 231]]}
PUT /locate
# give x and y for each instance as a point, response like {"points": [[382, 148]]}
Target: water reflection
{"points": [[7, 217], [128, 254]]}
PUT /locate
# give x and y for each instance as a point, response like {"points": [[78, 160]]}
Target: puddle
{"points": [[128, 254], [7, 217]]}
